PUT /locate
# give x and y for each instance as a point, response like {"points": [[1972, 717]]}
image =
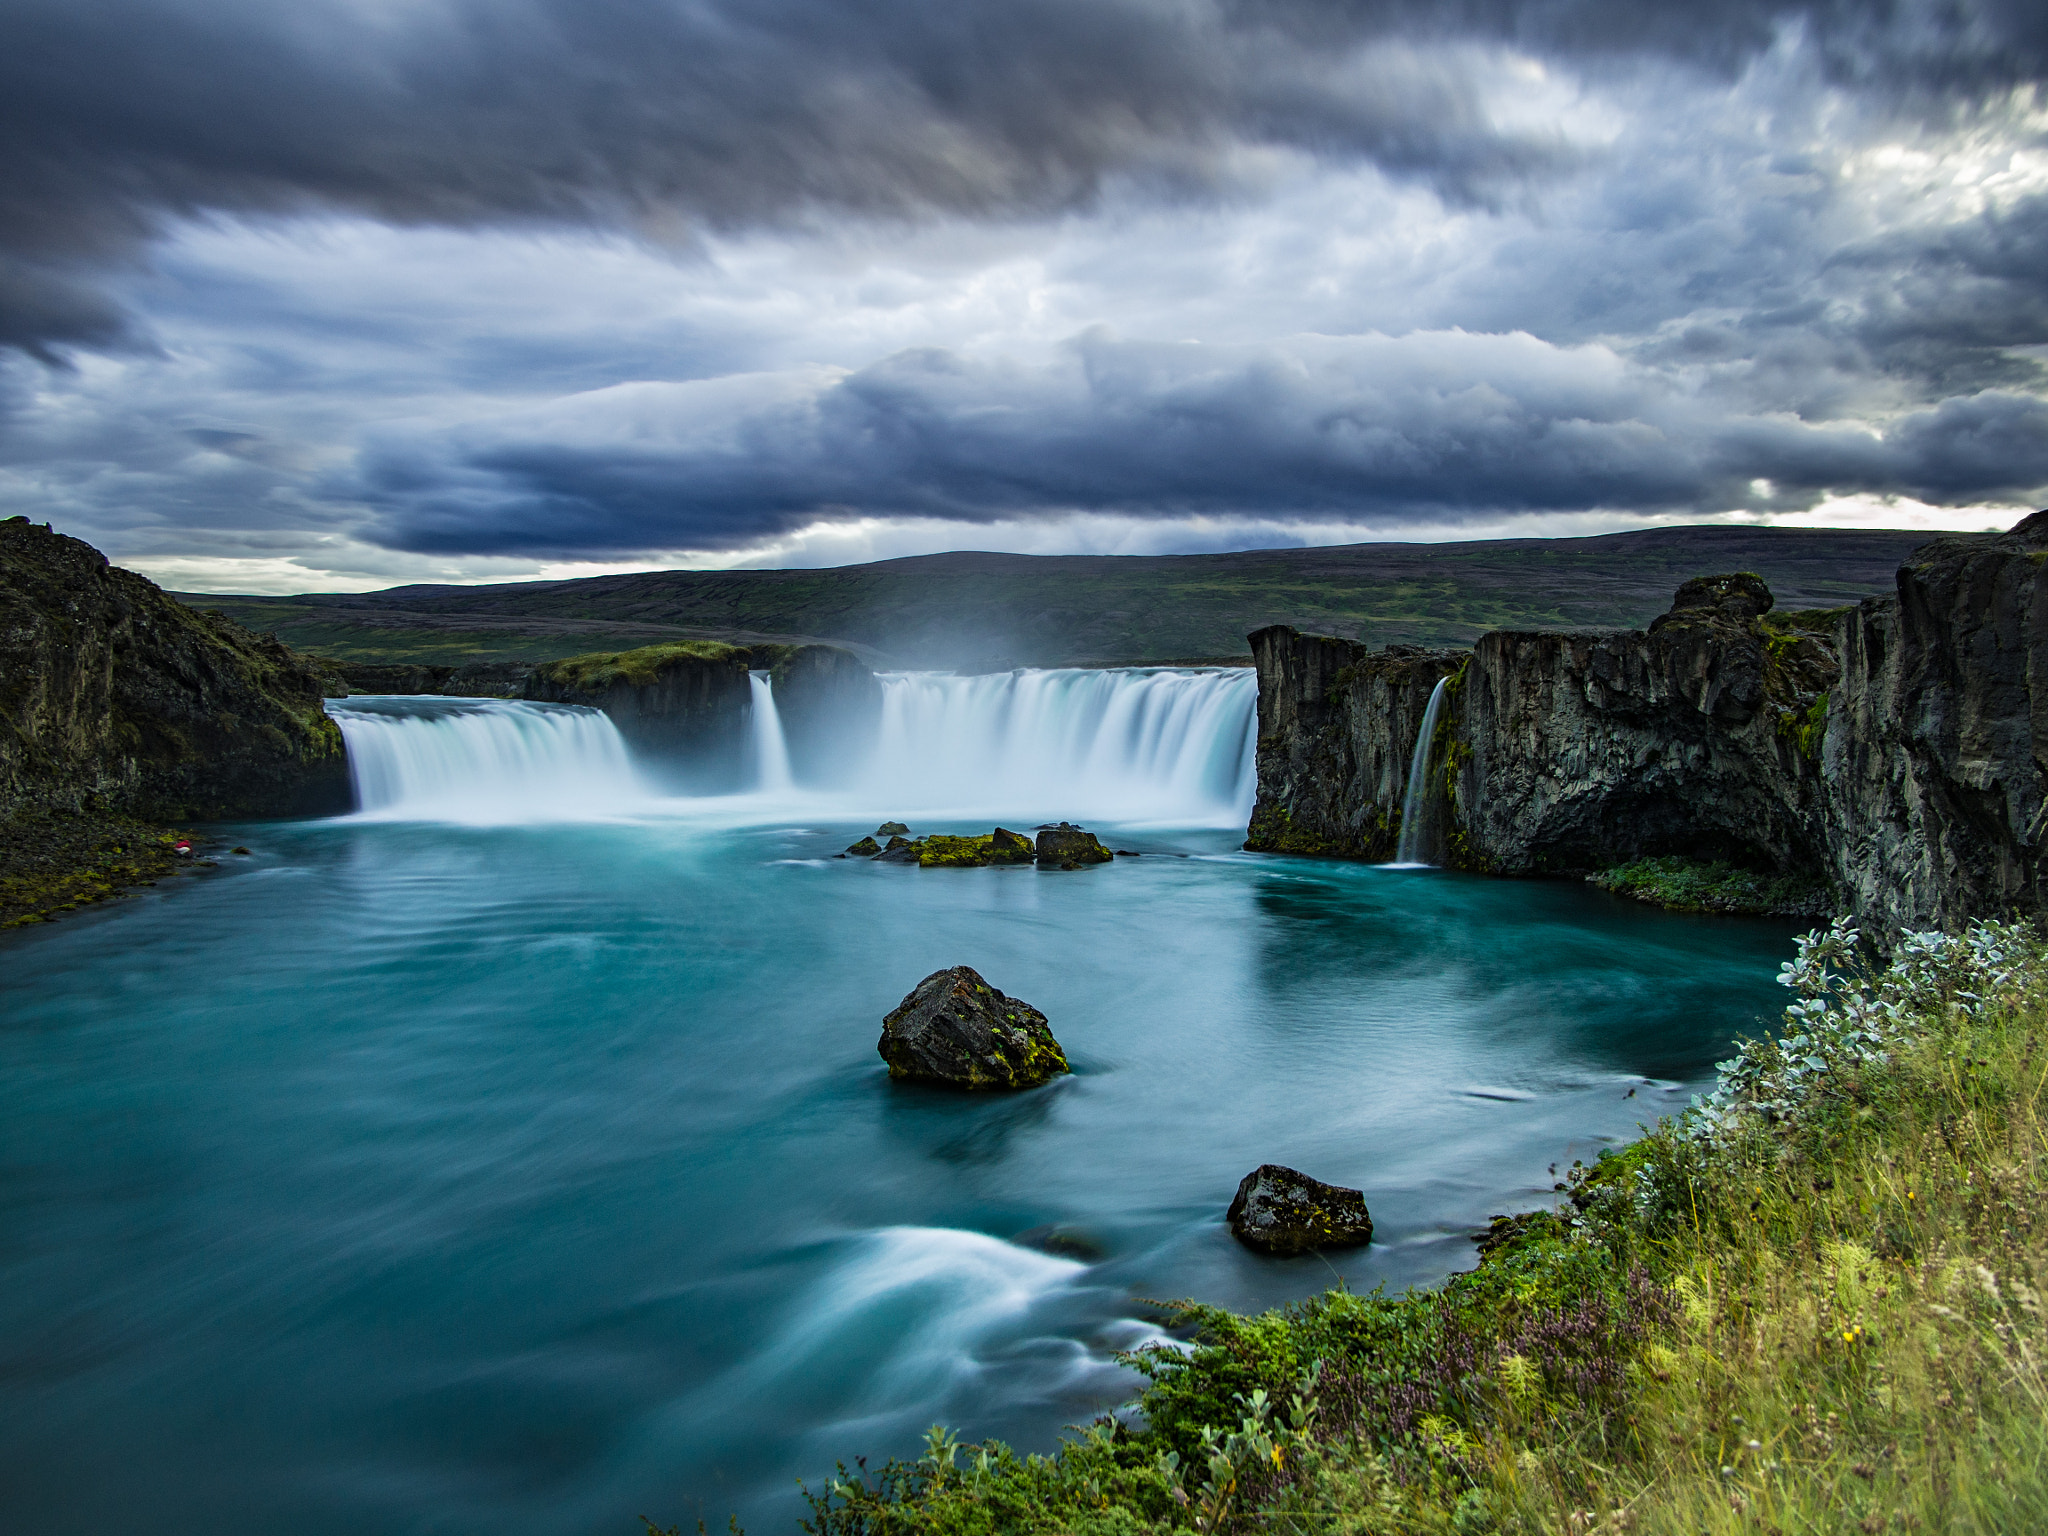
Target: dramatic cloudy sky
{"points": [[338, 293]]}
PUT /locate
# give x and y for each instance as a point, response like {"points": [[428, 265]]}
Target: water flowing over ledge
{"points": [[1130, 745], [485, 761]]}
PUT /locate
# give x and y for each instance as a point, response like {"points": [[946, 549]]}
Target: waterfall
{"points": [[1414, 805], [1123, 744], [767, 746], [484, 760]]}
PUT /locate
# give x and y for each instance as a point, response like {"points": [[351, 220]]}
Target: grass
{"points": [[600, 669], [1809, 1304], [1695, 885]]}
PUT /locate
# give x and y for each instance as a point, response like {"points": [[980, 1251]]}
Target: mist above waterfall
{"points": [[1133, 745]]}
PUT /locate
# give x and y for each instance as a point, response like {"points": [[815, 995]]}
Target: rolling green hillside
{"points": [[991, 610]]}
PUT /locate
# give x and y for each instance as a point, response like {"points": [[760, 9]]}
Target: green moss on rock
{"points": [[1694, 885]]}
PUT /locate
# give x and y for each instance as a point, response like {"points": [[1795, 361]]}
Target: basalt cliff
{"points": [[1893, 749], [686, 707], [116, 698]]}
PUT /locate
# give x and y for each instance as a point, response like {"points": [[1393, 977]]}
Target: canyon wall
{"points": [[1894, 748], [116, 697]]}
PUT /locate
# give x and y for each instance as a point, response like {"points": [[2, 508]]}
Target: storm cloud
{"points": [[367, 282], [1427, 427]]}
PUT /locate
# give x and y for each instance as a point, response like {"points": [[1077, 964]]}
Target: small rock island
{"points": [[954, 1028], [1282, 1212]]}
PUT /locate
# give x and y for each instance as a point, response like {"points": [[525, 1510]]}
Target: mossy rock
{"points": [[939, 851], [954, 1028], [891, 829], [866, 848], [1070, 847], [1283, 1212]]}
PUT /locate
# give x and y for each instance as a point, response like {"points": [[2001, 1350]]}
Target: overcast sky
{"points": [[343, 293]]}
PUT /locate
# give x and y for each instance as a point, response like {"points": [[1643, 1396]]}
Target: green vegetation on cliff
{"points": [[1812, 1303], [638, 668], [1696, 885]]}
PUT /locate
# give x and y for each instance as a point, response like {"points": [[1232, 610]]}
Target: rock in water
{"points": [[955, 1028], [1280, 1211], [891, 829], [1068, 847], [867, 847]]}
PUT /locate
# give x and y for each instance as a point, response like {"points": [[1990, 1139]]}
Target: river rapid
{"points": [[513, 1155]]}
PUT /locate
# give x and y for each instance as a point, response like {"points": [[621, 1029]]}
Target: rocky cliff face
{"points": [[115, 697], [682, 707], [685, 707], [1936, 739], [1897, 748], [830, 703], [1569, 752], [1337, 728]]}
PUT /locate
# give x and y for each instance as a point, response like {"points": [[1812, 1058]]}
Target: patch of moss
{"points": [[1693, 885], [941, 851], [638, 668], [53, 862]]}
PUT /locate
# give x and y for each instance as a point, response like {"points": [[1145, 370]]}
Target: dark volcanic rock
{"points": [[683, 706], [830, 704], [117, 698], [474, 680], [867, 847], [1337, 728], [955, 1028], [1069, 847], [891, 829], [1280, 1211], [1895, 749], [899, 851], [1935, 741]]}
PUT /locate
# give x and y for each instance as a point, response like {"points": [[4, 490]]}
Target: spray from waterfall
{"points": [[768, 747], [1122, 744], [1415, 804]]}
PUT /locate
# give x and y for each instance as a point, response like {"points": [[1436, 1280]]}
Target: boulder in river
{"points": [[955, 1028], [1067, 846], [1282, 1212]]}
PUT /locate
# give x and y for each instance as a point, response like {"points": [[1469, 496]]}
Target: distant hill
{"points": [[979, 611]]}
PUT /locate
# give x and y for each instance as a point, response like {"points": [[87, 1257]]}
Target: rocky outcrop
{"points": [[1570, 752], [1067, 847], [955, 1028], [1895, 749], [1337, 726], [830, 703], [1936, 741], [117, 697], [682, 707], [1282, 1212]]}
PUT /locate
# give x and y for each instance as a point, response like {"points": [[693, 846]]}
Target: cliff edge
{"points": [[1894, 749], [117, 698]]}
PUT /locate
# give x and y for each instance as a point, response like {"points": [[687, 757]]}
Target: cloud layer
{"points": [[392, 287]]}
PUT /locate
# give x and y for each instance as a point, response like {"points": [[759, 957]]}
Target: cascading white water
{"points": [[767, 746], [1414, 804], [485, 761], [1128, 744]]}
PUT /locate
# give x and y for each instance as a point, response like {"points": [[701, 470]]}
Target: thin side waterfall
{"points": [[1415, 804], [485, 761], [768, 747], [1126, 744]]}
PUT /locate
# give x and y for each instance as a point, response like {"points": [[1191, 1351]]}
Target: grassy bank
{"points": [[53, 862], [1695, 885], [1809, 1304]]}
